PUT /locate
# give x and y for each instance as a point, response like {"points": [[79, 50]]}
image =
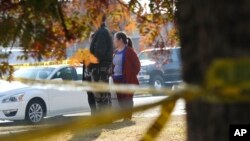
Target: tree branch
{"points": [[7, 5], [61, 16], [137, 14]]}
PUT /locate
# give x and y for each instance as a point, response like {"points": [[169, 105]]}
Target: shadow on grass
{"points": [[96, 132]]}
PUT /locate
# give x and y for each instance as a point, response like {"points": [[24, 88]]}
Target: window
{"points": [[148, 55], [176, 55], [65, 74], [34, 73], [79, 71], [178, 51]]}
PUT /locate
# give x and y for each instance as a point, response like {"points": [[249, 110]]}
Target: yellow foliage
{"points": [[83, 56], [97, 22], [130, 27]]}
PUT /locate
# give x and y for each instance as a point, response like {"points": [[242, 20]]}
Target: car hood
{"points": [[147, 62], [6, 86]]}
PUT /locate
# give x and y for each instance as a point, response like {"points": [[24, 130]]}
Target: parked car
{"points": [[160, 67], [22, 102]]}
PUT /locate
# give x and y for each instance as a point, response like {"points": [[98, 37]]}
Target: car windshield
{"points": [[145, 56], [34, 73]]}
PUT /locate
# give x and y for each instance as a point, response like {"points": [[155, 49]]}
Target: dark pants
{"points": [[127, 104], [91, 97], [125, 100], [91, 100], [102, 99]]}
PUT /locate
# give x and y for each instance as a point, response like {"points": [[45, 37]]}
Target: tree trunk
{"points": [[209, 30]]}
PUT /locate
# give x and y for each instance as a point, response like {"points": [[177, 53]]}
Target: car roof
{"points": [[157, 49]]}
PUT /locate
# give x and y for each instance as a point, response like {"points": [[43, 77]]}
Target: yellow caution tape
{"points": [[158, 125], [48, 63], [229, 73], [229, 80], [95, 87]]}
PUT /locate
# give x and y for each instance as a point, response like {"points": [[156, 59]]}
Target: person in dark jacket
{"points": [[126, 66], [102, 47]]}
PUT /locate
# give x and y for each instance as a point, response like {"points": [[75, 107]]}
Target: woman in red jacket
{"points": [[126, 66]]}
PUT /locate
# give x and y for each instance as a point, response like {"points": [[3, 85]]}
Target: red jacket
{"points": [[131, 67]]}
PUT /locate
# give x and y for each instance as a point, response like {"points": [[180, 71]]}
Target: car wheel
{"points": [[35, 111], [157, 81]]}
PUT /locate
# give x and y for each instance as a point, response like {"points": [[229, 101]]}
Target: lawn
{"points": [[175, 130]]}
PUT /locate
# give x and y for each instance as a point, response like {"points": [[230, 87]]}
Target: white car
{"points": [[21, 102]]}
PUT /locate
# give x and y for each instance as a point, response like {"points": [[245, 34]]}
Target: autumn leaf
{"points": [[173, 37], [83, 56], [97, 22], [130, 27]]}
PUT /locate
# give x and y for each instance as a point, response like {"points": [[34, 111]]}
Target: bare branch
{"points": [[60, 12]]}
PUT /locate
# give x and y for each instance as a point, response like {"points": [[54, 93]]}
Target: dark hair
{"points": [[130, 44], [125, 39]]}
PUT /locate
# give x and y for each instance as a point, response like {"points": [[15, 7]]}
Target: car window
{"points": [[178, 51], [176, 55], [145, 56], [65, 74], [34, 73], [79, 71], [162, 57]]}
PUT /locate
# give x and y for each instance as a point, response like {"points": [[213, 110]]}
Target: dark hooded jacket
{"points": [[102, 47]]}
